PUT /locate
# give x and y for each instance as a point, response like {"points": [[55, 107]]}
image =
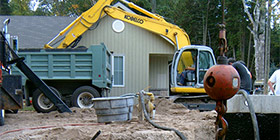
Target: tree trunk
{"points": [[261, 53], [259, 36], [205, 29], [249, 51], [252, 63], [242, 46], [267, 46], [209, 38], [233, 52], [154, 5]]}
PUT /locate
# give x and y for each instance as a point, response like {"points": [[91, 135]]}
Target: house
{"points": [[140, 58]]}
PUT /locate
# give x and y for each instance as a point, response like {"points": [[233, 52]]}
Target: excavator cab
{"points": [[188, 68]]}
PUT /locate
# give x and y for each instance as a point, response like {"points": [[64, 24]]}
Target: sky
{"points": [[34, 4]]}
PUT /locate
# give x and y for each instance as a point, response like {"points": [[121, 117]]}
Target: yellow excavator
{"points": [[183, 78]]}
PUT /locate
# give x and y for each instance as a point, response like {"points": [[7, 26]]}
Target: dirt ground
{"points": [[82, 124]]}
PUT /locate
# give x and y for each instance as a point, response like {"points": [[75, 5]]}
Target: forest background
{"points": [[252, 26]]}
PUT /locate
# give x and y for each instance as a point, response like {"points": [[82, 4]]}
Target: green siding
{"points": [[158, 72]]}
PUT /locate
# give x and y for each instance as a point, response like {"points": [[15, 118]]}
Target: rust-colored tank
{"points": [[221, 82]]}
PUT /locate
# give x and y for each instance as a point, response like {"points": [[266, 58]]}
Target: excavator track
{"points": [[198, 102]]}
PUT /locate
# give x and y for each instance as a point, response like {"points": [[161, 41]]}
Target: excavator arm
{"points": [[159, 26], [151, 22], [81, 24]]}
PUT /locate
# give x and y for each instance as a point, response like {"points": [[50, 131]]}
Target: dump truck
{"points": [[11, 90], [75, 75]]}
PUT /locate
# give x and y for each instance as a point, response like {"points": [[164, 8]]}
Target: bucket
{"points": [[112, 109]]}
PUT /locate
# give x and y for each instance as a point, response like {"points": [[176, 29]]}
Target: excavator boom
{"points": [[168, 30], [81, 24], [153, 23]]}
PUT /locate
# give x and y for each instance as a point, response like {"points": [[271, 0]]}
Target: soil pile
{"points": [[82, 124]]}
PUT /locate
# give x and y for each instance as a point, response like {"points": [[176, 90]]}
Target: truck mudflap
{"points": [[198, 102], [11, 92]]}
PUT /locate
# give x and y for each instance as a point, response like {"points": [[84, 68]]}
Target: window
{"points": [[118, 71], [14, 43], [205, 62]]}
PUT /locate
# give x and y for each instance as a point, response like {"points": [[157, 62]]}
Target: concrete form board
{"points": [[262, 104]]}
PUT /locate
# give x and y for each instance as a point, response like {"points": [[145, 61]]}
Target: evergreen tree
{"points": [[5, 8], [275, 46], [237, 32], [20, 7], [64, 8], [195, 16]]}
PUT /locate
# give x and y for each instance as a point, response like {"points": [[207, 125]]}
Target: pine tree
{"points": [[5, 8]]}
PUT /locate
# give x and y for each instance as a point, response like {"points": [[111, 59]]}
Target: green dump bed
{"points": [[92, 63]]}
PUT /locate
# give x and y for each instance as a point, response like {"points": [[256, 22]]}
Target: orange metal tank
{"points": [[221, 82]]}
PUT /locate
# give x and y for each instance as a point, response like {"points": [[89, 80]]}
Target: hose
{"points": [[51, 126], [154, 124], [252, 113], [129, 94]]}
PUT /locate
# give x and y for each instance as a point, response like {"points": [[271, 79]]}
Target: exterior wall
{"points": [[159, 74], [136, 45]]}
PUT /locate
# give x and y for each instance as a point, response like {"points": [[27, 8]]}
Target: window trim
{"points": [[113, 71]]}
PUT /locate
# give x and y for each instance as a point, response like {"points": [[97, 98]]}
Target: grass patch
{"points": [[27, 108]]}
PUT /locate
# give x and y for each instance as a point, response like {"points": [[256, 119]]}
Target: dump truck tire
{"points": [[2, 115], [82, 97], [41, 103]]}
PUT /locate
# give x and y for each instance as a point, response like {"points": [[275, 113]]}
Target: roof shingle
{"points": [[35, 31]]}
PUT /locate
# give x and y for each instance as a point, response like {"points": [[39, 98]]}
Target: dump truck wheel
{"points": [[82, 97], [2, 115], [41, 103]]}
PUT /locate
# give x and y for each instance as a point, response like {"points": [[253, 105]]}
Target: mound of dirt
{"points": [[82, 124]]}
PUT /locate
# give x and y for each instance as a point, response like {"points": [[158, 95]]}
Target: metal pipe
{"points": [[176, 41], [6, 22]]}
